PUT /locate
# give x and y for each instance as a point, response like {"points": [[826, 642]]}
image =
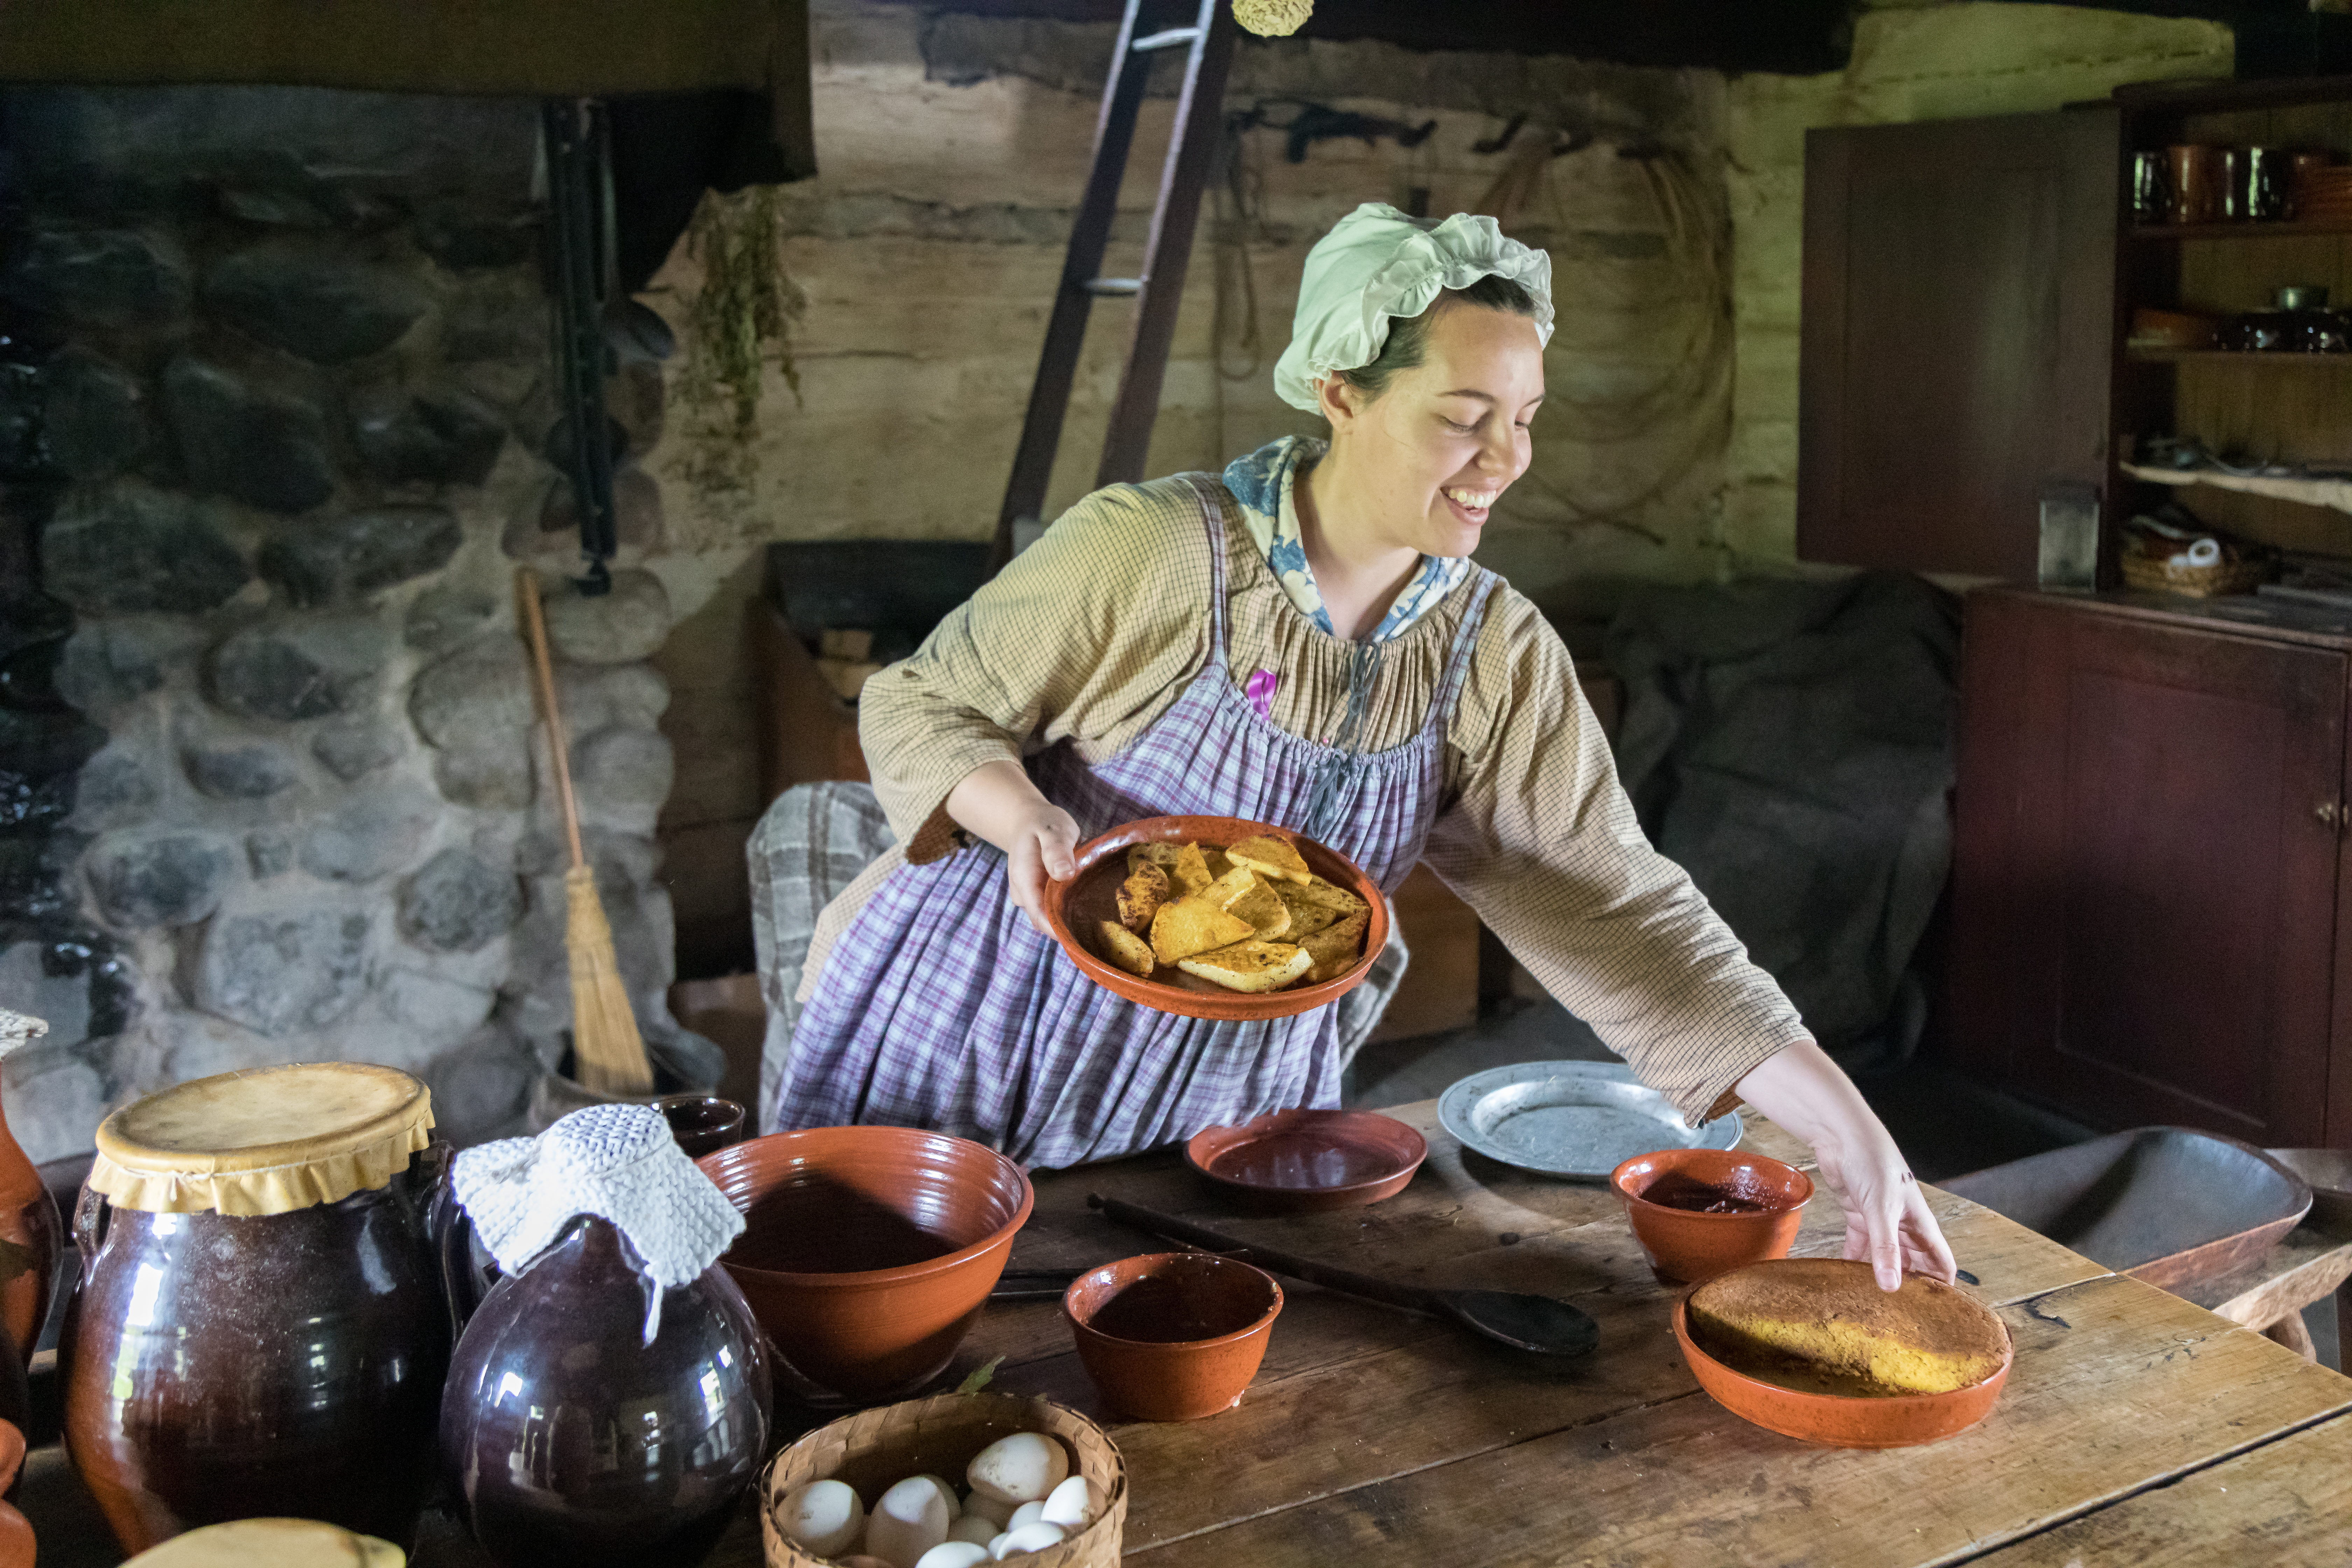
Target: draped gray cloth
{"points": [[1792, 743]]}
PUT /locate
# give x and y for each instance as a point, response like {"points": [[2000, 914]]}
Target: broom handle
{"points": [[535, 632]]}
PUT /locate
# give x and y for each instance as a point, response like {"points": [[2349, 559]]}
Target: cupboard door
{"points": [[2164, 866], [1957, 336]]}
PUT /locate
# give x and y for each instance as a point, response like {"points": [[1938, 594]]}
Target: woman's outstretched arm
{"points": [[1887, 1224]]}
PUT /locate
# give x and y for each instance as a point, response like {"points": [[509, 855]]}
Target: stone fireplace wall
{"points": [[274, 419]]}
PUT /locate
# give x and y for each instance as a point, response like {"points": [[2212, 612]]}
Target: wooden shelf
{"points": [[2280, 229], [2333, 493], [2241, 356]]}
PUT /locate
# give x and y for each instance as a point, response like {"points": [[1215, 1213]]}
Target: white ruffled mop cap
{"points": [[1377, 263], [616, 1162]]}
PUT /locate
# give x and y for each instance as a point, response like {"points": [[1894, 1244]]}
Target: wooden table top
{"points": [[1373, 1437], [2135, 1427]]}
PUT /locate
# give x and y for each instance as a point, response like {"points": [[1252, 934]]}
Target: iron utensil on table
{"points": [[1580, 1119], [1538, 1324]]}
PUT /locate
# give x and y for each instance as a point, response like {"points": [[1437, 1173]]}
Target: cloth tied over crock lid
{"points": [[618, 1162], [263, 1141], [1377, 263]]}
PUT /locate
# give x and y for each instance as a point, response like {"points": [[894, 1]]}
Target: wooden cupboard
{"points": [[2148, 868], [2149, 919]]}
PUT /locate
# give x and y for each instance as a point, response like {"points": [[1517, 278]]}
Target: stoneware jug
{"points": [[593, 1415], [259, 1330]]}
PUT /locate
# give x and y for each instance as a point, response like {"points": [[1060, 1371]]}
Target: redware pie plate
{"points": [[1092, 895]]}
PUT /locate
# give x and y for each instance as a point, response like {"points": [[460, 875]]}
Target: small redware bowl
{"points": [[1074, 907], [1686, 1247], [1173, 1336], [1842, 1420], [868, 1251]]}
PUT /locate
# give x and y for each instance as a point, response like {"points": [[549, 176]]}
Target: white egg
{"points": [[1028, 1537], [953, 1554], [906, 1522], [998, 1512], [947, 1492], [1003, 1536], [1077, 1501], [1022, 1467], [1027, 1513], [977, 1529], [823, 1516]]}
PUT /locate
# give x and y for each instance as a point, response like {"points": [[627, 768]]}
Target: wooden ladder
{"points": [[1208, 42]]}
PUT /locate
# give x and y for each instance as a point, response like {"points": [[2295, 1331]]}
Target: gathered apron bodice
{"points": [[941, 1008]]}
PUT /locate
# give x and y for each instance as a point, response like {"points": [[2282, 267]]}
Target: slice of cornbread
{"points": [[1825, 1312]]}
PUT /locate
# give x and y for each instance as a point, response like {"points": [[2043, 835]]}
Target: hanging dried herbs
{"points": [[740, 321]]}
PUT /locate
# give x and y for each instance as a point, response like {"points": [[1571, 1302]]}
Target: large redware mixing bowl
{"points": [[868, 1251]]}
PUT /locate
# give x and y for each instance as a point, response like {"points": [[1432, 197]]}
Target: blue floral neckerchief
{"points": [[1261, 482]]}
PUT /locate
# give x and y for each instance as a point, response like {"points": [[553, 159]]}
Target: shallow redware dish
{"points": [[1302, 1161], [1092, 895], [1843, 1420], [1173, 1336], [867, 1251], [1686, 1247]]}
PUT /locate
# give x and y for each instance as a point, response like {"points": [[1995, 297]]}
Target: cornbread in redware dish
{"points": [[1824, 1323]]}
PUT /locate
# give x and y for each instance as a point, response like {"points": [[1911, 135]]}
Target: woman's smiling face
{"points": [[1432, 452]]}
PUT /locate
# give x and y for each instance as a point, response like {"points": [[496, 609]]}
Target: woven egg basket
{"points": [[875, 1449]]}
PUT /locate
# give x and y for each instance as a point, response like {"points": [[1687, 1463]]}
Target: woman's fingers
{"points": [[1058, 840], [1872, 1237], [1923, 1234], [1024, 873], [1046, 849], [1895, 1232]]}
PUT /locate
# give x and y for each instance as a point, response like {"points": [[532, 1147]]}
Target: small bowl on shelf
{"points": [[1699, 1212], [1173, 1336], [2156, 331]]}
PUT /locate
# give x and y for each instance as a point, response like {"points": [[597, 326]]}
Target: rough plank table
{"points": [[1371, 1437], [2136, 1426]]}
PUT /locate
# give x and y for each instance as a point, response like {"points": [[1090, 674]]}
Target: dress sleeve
{"points": [[1082, 635], [1541, 841]]}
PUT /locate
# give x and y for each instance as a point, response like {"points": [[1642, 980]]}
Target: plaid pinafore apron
{"points": [[939, 1008]]}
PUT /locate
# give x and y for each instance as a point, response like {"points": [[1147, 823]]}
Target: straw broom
{"points": [[607, 1050]]}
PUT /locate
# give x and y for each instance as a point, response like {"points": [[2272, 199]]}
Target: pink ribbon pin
{"points": [[1259, 689]]}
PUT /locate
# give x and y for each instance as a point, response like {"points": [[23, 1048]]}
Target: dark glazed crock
{"points": [[566, 1440], [219, 1367]]}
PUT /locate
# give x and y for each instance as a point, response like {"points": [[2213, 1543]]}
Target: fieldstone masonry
{"points": [[274, 419]]}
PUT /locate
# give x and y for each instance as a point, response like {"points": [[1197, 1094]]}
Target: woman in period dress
{"points": [[1301, 640]]}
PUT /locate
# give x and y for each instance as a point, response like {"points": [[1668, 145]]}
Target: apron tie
{"points": [[1326, 801]]}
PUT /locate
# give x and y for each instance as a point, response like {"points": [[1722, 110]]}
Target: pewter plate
{"points": [[1571, 1118]]}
